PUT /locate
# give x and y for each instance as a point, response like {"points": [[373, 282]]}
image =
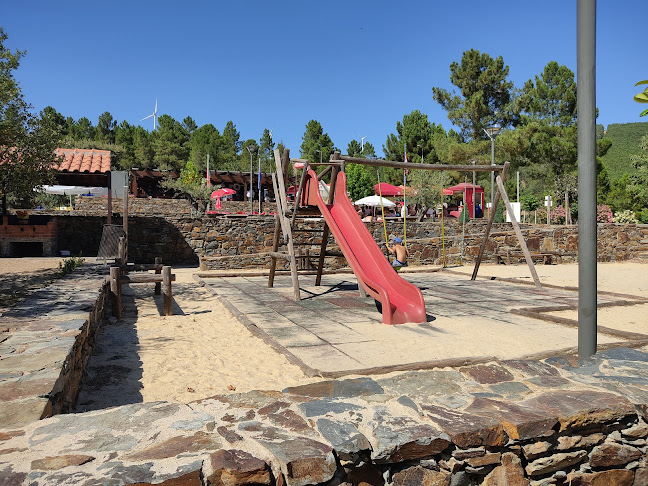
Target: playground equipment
{"points": [[401, 301]]}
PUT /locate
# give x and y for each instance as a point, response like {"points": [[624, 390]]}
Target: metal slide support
{"points": [[586, 76]]}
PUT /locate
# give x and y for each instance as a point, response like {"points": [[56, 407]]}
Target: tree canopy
{"points": [[26, 144]]}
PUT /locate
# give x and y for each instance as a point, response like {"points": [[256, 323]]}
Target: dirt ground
{"points": [[21, 276]]}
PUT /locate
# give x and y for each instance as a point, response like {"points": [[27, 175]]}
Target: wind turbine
{"points": [[361, 141], [154, 115]]}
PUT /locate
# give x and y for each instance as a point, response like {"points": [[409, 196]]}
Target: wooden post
{"points": [[109, 219], [115, 288], [518, 233], [125, 223], [491, 217], [121, 251], [166, 291], [158, 270]]}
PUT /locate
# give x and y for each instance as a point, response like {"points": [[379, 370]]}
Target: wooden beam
{"points": [[412, 165], [491, 218], [518, 233]]}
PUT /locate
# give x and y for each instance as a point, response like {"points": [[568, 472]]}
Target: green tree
{"points": [[551, 98], [124, 136], [266, 152], [189, 125], [26, 145], [170, 144], [105, 129], [360, 180], [203, 141], [228, 158], [190, 185], [417, 134], [54, 121], [354, 149], [81, 129], [485, 94], [142, 148], [315, 140], [638, 179]]}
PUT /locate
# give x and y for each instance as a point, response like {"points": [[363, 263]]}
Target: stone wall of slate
{"points": [[238, 242]]}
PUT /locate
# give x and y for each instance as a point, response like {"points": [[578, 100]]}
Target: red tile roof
{"points": [[83, 160]]}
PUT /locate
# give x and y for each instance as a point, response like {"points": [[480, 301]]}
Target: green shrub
{"points": [[69, 265]]}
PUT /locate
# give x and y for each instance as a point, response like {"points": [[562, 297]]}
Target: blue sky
{"points": [[355, 66]]}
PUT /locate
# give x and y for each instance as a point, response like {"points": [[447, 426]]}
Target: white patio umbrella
{"points": [[374, 201]]}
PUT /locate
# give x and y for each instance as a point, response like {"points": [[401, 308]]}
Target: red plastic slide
{"points": [[401, 301]]}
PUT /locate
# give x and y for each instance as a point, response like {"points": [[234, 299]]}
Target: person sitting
{"points": [[479, 213], [401, 253]]}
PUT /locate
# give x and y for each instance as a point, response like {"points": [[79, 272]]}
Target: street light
{"points": [[492, 133], [251, 148], [473, 162], [320, 152]]}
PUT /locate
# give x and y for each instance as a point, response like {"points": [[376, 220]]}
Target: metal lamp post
{"points": [[492, 133], [320, 152], [251, 148]]}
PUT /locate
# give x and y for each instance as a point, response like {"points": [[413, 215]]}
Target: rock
{"points": [[59, 462], [577, 409], [200, 441], [535, 450], [344, 437], [419, 476], [485, 460], [488, 374], [555, 462], [518, 422], [235, 467], [337, 389], [638, 431], [465, 429], [613, 454], [510, 473], [302, 460], [460, 479], [568, 442], [613, 477], [641, 476], [397, 439], [462, 454]]}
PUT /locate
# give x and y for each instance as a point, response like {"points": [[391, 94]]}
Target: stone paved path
{"points": [[333, 332]]}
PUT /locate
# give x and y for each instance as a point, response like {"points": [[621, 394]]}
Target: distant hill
{"points": [[625, 142]]}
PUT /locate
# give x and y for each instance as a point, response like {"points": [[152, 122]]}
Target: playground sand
{"points": [[207, 351]]}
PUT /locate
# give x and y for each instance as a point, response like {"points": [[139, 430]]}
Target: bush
{"points": [[69, 264], [626, 216], [603, 213], [642, 216], [558, 215]]}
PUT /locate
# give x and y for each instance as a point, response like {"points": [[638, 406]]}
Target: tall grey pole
{"points": [[586, 74], [492, 172]]}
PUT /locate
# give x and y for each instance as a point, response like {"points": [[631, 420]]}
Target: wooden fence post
{"points": [[166, 291], [115, 288], [158, 270]]}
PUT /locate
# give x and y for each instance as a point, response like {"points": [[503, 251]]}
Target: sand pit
{"points": [[203, 349]]}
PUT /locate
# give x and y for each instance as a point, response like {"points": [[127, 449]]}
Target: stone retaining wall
{"points": [[520, 422], [47, 340], [241, 239]]}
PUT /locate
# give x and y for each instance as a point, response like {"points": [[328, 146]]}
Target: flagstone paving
{"points": [[334, 332]]}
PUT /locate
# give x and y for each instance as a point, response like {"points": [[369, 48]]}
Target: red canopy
{"points": [[464, 186], [388, 190]]}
